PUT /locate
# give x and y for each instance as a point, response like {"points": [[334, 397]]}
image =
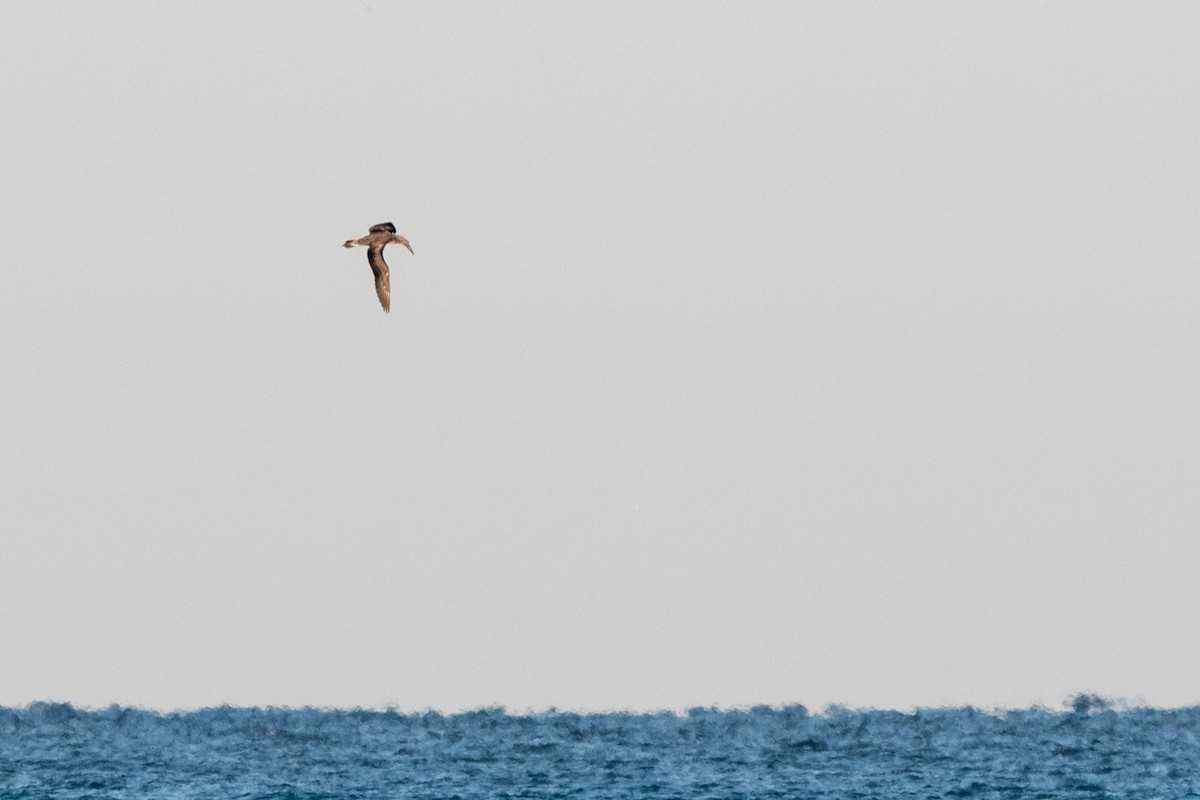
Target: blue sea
{"points": [[1088, 750]]}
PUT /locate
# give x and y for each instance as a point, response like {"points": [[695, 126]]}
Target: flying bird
{"points": [[378, 237]]}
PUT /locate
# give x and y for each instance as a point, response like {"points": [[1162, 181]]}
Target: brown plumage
{"points": [[379, 237]]}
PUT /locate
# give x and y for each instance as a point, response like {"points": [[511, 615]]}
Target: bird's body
{"points": [[378, 237]]}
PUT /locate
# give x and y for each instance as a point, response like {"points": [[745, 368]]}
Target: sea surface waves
{"points": [[1090, 750]]}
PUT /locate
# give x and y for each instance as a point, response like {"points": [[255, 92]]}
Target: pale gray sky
{"points": [[751, 353]]}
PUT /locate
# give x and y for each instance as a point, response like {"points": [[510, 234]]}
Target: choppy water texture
{"points": [[1091, 750]]}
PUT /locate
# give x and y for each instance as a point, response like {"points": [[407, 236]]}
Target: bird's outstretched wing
{"points": [[383, 285], [383, 226]]}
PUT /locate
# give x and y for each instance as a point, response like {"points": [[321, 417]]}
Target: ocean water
{"points": [[1090, 750]]}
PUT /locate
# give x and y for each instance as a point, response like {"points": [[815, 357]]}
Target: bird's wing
{"points": [[383, 226], [383, 286]]}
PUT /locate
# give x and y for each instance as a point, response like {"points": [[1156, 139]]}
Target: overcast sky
{"points": [[751, 353]]}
